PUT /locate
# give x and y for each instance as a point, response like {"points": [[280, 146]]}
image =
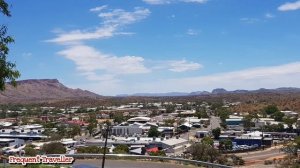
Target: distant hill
{"points": [[218, 91], [42, 90], [171, 94]]}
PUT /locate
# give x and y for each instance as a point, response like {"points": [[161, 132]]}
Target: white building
{"points": [[290, 113], [128, 130], [139, 120], [174, 145], [26, 132]]}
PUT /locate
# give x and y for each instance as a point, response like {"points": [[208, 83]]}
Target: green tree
{"points": [[289, 121], [75, 130], [170, 108], [169, 122], [61, 130], [153, 132], [158, 153], [54, 136], [29, 151], [92, 149], [54, 148], [274, 128], [7, 68], [92, 123], [3, 114], [204, 152], [271, 109], [216, 132], [247, 122], [225, 144], [121, 149], [278, 116], [118, 118], [201, 112], [223, 113], [91, 128], [208, 141]]}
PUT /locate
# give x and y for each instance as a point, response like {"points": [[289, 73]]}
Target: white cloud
{"points": [[88, 61], [157, 2], [249, 20], [192, 32], [162, 2], [76, 36], [290, 6], [183, 65], [98, 8], [105, 68], [27, 55], [120, 17], [195, 1], [111, 23], [93, 64], [287, 75], [269, 15]]}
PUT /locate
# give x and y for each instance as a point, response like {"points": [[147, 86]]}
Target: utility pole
{"points": [[190, 129], [105, 146]]}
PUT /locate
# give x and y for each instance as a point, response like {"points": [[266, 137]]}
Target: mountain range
{"points": [[217, 91], [41, 90], [49, 90]]}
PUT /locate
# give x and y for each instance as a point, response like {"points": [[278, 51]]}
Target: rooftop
{"points": [[174, 141], [137, 119]]}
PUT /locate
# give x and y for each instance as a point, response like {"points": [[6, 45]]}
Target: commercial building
{"points": [[129, 130], [25, 132], [139, 120]]}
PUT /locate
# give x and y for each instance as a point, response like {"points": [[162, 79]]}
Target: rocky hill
{"points": [[42, 90], [218, 91]]}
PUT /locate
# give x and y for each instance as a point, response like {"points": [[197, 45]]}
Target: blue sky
{"points": [[115, 47]]}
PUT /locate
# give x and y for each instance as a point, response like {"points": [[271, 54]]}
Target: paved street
{"points": [[260, 156], [214, 122], [125, 164]]}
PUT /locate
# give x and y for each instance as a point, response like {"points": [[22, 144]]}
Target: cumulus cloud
{"points": [[289, 6], [249, 20], [89, 60], [157, 2], [183, 65], [287, 75], [76, 36], [120, 17], [112, 21], [95, 65], [195, 1], [192, 32], [162, 2], [269, 15], [98, 8]]}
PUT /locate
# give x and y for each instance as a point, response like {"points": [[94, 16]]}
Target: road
{"points": [[260, 156], [93, 163], [214, 122]]}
